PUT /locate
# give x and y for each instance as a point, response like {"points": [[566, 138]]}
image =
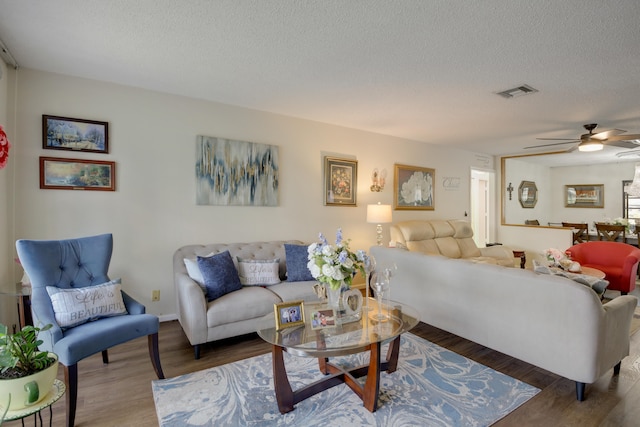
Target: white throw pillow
{"points": [[259, 272], [193, 270], [73, 307]]}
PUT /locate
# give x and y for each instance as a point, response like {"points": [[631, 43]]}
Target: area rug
{"points": [[432, 386]]}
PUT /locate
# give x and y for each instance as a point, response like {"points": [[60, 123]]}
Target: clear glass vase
{"points": [[334, 296]]}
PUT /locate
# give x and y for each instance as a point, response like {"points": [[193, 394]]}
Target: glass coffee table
{"points": [[363, 335]]}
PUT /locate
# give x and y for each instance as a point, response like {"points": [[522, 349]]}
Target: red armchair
{"points": [[619, 261]]}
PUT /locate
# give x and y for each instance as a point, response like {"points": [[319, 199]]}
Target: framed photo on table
{"points": [[65, 133], [323, 318], [289, 314], [413, 188], [584, 196], [340, 181]]}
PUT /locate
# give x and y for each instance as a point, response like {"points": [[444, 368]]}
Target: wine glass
{"points": [[369, 268], [380, 285]]}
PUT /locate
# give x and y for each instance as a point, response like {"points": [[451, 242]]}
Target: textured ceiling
{"points": [[417, 69]]}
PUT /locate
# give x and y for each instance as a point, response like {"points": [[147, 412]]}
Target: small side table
{"points": [[57, 390], [520, 254]]}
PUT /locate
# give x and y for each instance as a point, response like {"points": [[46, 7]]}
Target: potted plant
{"points": [[26, 374]]}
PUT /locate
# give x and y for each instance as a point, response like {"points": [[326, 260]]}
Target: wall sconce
{"points": [[378, 179], [379, 214]]}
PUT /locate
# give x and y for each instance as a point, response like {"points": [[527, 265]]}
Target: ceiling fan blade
{"points": [[628, 137], [607, 134], [623, 144], [549, 145], [559, 139]]}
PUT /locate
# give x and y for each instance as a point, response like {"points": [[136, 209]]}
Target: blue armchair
{"points": [[75, 264]]}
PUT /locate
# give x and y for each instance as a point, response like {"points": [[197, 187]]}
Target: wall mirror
{"points": [[528, 194], [552, 171]]}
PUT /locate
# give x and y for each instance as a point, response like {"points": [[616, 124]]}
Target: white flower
{"points": [[333, 264]]}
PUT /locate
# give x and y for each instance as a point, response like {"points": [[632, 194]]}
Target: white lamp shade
{"points": [[379, 214]]}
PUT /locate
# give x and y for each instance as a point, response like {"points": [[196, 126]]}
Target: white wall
{"points": [[611, 175], [153, 212], [7, 283]]}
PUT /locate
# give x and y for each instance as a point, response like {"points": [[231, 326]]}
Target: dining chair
{"points": [[69, 286], [611, 232], [580, 231], [531, 222]]}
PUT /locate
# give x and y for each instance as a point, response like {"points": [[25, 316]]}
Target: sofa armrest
{"points": [[617, 326], [191, 308], [497, 251]]}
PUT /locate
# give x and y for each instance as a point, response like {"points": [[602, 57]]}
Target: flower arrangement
{"points": [[554, 255], [334, 264], [4, 148]]}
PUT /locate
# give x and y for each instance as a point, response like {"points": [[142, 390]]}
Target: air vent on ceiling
{"points": [[517, 91]]}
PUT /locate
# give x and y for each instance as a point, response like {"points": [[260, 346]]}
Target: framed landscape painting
{"points": [[76, 174], [340, 181], [64, 133], [584, 196], [413, 188]]}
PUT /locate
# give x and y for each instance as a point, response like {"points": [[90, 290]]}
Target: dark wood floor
{"points": [[119, 394]]}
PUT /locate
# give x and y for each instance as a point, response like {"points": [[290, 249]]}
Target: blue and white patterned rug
{"points": [[432, 386]]}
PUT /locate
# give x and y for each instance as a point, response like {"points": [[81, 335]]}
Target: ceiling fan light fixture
{"points": [[590, 145], [634, 189]]}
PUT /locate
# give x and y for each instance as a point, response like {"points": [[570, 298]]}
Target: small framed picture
{"points": [[77, 174], [64, 133], [289, 314], [584, 196], [340, 181], [322, 319], [413, 188]]}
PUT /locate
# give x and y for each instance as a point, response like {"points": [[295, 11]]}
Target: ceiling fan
{"points": [[595, 141]]}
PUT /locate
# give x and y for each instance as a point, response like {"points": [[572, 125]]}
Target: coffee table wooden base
{"points": [[336, 375]]}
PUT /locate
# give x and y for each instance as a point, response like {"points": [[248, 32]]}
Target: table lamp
{"points": [[379, 214]]}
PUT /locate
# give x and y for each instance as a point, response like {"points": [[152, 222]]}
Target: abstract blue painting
{"points": [[236, 173]]}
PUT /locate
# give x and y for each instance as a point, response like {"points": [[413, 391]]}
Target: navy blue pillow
{"points": [[219, 274], [297, 259]]}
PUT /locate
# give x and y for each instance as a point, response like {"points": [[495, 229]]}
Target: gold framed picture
{"points": [[340, 181], [289, 314], [413, 188], [584, 196]]}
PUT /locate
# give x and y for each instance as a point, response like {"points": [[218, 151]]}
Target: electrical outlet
{"points": [[155, 295]]}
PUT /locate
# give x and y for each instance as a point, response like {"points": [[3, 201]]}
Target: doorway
{"points": [[482, 206]]}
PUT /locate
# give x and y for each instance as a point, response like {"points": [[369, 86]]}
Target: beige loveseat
{"points": [[452, 239], [238, 312]]}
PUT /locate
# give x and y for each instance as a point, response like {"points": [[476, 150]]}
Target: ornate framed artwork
{"points": [[528, 194], [340, 181], [64, 133], [584, 196], [413, 188], [289, 314], [76, 174]]}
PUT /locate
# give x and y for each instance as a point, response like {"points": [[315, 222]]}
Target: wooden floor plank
{"points": [[119, 394]]}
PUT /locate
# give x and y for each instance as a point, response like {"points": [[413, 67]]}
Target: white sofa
{"points": [[453, 239], [549, 321], [238, 312]]}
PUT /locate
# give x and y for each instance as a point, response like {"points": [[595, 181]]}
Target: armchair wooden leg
{"points": [[105, 357], [196, 351], [154, 353], [616, 369], [71, 381]]}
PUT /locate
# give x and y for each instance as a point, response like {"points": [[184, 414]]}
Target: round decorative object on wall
{"points": [[4, 148]]}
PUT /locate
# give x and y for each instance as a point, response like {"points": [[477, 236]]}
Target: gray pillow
{"points": [[297, 259], [219, 274]]}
